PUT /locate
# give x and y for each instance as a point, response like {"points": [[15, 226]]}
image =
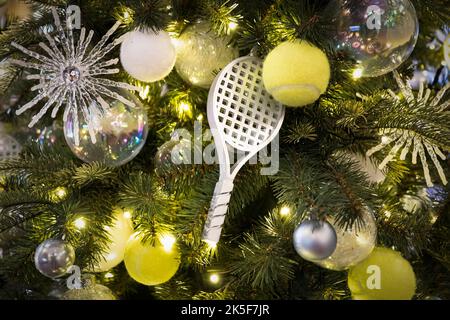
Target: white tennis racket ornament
{"points": [[243, 115]]}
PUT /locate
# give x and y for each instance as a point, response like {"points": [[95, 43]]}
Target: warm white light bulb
{"points": [[214, 278], [357, 73], [127, 214], [167, 242], [80, 223], [184, 106], [211, 244], [177, 43], [232, 25], [285, 211], [59, 193]]}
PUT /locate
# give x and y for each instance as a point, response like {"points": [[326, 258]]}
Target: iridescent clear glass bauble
{"points": [[95, 292], [353, 244], [201, 53], [48, 136], [121, 132], [173, 153], [379, 34], [90, 291]]}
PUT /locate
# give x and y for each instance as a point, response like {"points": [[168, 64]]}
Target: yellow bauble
{"points": [[296, 73], [384, 275], [119, 233], [151, 265]]}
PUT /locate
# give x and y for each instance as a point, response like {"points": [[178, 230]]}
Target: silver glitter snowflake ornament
{"points": [[406, 141], [69, 74]]}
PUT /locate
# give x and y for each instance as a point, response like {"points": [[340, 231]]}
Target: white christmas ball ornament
{"points": [[147, 56]]}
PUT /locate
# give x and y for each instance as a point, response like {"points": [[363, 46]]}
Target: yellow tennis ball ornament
{"points": [[384, 275], [149, 264], [296, 73]]}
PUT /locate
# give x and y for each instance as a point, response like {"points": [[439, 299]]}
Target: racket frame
{"points": [[224, 188]]}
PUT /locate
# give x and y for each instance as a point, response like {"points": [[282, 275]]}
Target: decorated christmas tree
{"points": [[224, 149]]}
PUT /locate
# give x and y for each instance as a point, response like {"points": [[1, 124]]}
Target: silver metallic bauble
{"points": [[53, 258], [354, 244], [314, 240], [171, 153], [121, 132], [200, 53], [379, 34]]}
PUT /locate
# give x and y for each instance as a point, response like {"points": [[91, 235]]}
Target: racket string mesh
{"points": [[246, 112]]}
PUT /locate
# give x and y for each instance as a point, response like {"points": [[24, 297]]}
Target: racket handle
{"points": [[217, 211]]}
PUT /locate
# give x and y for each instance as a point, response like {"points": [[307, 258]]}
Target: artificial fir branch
{"points": [[253, 34], [222, 14], [153, 209], [303, 20], [217, 295], [25, 32], [91, 173], [300, 130], [53, 3], [262, 265], [432, 14], [356, 204], [145, 15], [174, 290], [259, 258]]}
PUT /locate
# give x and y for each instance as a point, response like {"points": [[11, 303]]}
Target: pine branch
{"points": [[303, 20], [145, 15], [92, 173], [432, 14], [217, 295], [261, 265], [174, 290], [300, 130], [221, 14], [24, 32], [154, 210]]}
